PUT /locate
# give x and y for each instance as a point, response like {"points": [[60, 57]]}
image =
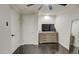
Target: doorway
{"points": [[75, 33]]}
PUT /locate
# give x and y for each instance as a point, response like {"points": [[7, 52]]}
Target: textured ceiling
{"points": [[34, 9]]}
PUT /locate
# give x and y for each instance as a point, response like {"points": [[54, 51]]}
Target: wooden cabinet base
{"points": [[48, 37]]}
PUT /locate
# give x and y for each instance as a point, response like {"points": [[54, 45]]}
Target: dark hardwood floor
{"points": [[42, 49]]}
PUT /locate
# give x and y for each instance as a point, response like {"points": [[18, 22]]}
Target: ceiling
{"points": [[22, 8]]}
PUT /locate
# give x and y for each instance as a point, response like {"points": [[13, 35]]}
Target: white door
{"points": [[29, 29], [15, 30]]}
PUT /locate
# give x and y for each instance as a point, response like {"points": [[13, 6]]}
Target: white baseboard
{"points": [[63, 46], [13, 50], [35, 44], [29, 44], [76, 46]]}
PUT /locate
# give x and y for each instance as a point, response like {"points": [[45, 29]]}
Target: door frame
{"points": [[73, 20]]}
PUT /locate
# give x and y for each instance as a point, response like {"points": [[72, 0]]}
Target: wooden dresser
{"points": [[48, 37]]}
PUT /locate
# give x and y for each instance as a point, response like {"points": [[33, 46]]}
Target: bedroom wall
{"points": [[63, 24], [7, 43], [42, 20]]}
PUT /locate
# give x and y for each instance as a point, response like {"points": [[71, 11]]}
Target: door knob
{"points": [[12, 35]]}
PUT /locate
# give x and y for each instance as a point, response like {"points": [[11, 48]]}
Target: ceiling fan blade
{"points": [[50, 7], [40, 7], [63, 4], [30, 5]]}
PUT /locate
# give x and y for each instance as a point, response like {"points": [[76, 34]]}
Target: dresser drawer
{"points": [[48, 37]]}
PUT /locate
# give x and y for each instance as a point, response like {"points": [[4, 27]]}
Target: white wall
{"points": [[29, 29], [75, 32], [42, 20], [5, 41], [7, 44], [63, 25], [15, 29]]}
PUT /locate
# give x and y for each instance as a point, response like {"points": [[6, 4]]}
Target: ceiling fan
{"points": [[49, 6]]}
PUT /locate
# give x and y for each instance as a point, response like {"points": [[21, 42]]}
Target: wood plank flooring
{"points": [[42, 49]]}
